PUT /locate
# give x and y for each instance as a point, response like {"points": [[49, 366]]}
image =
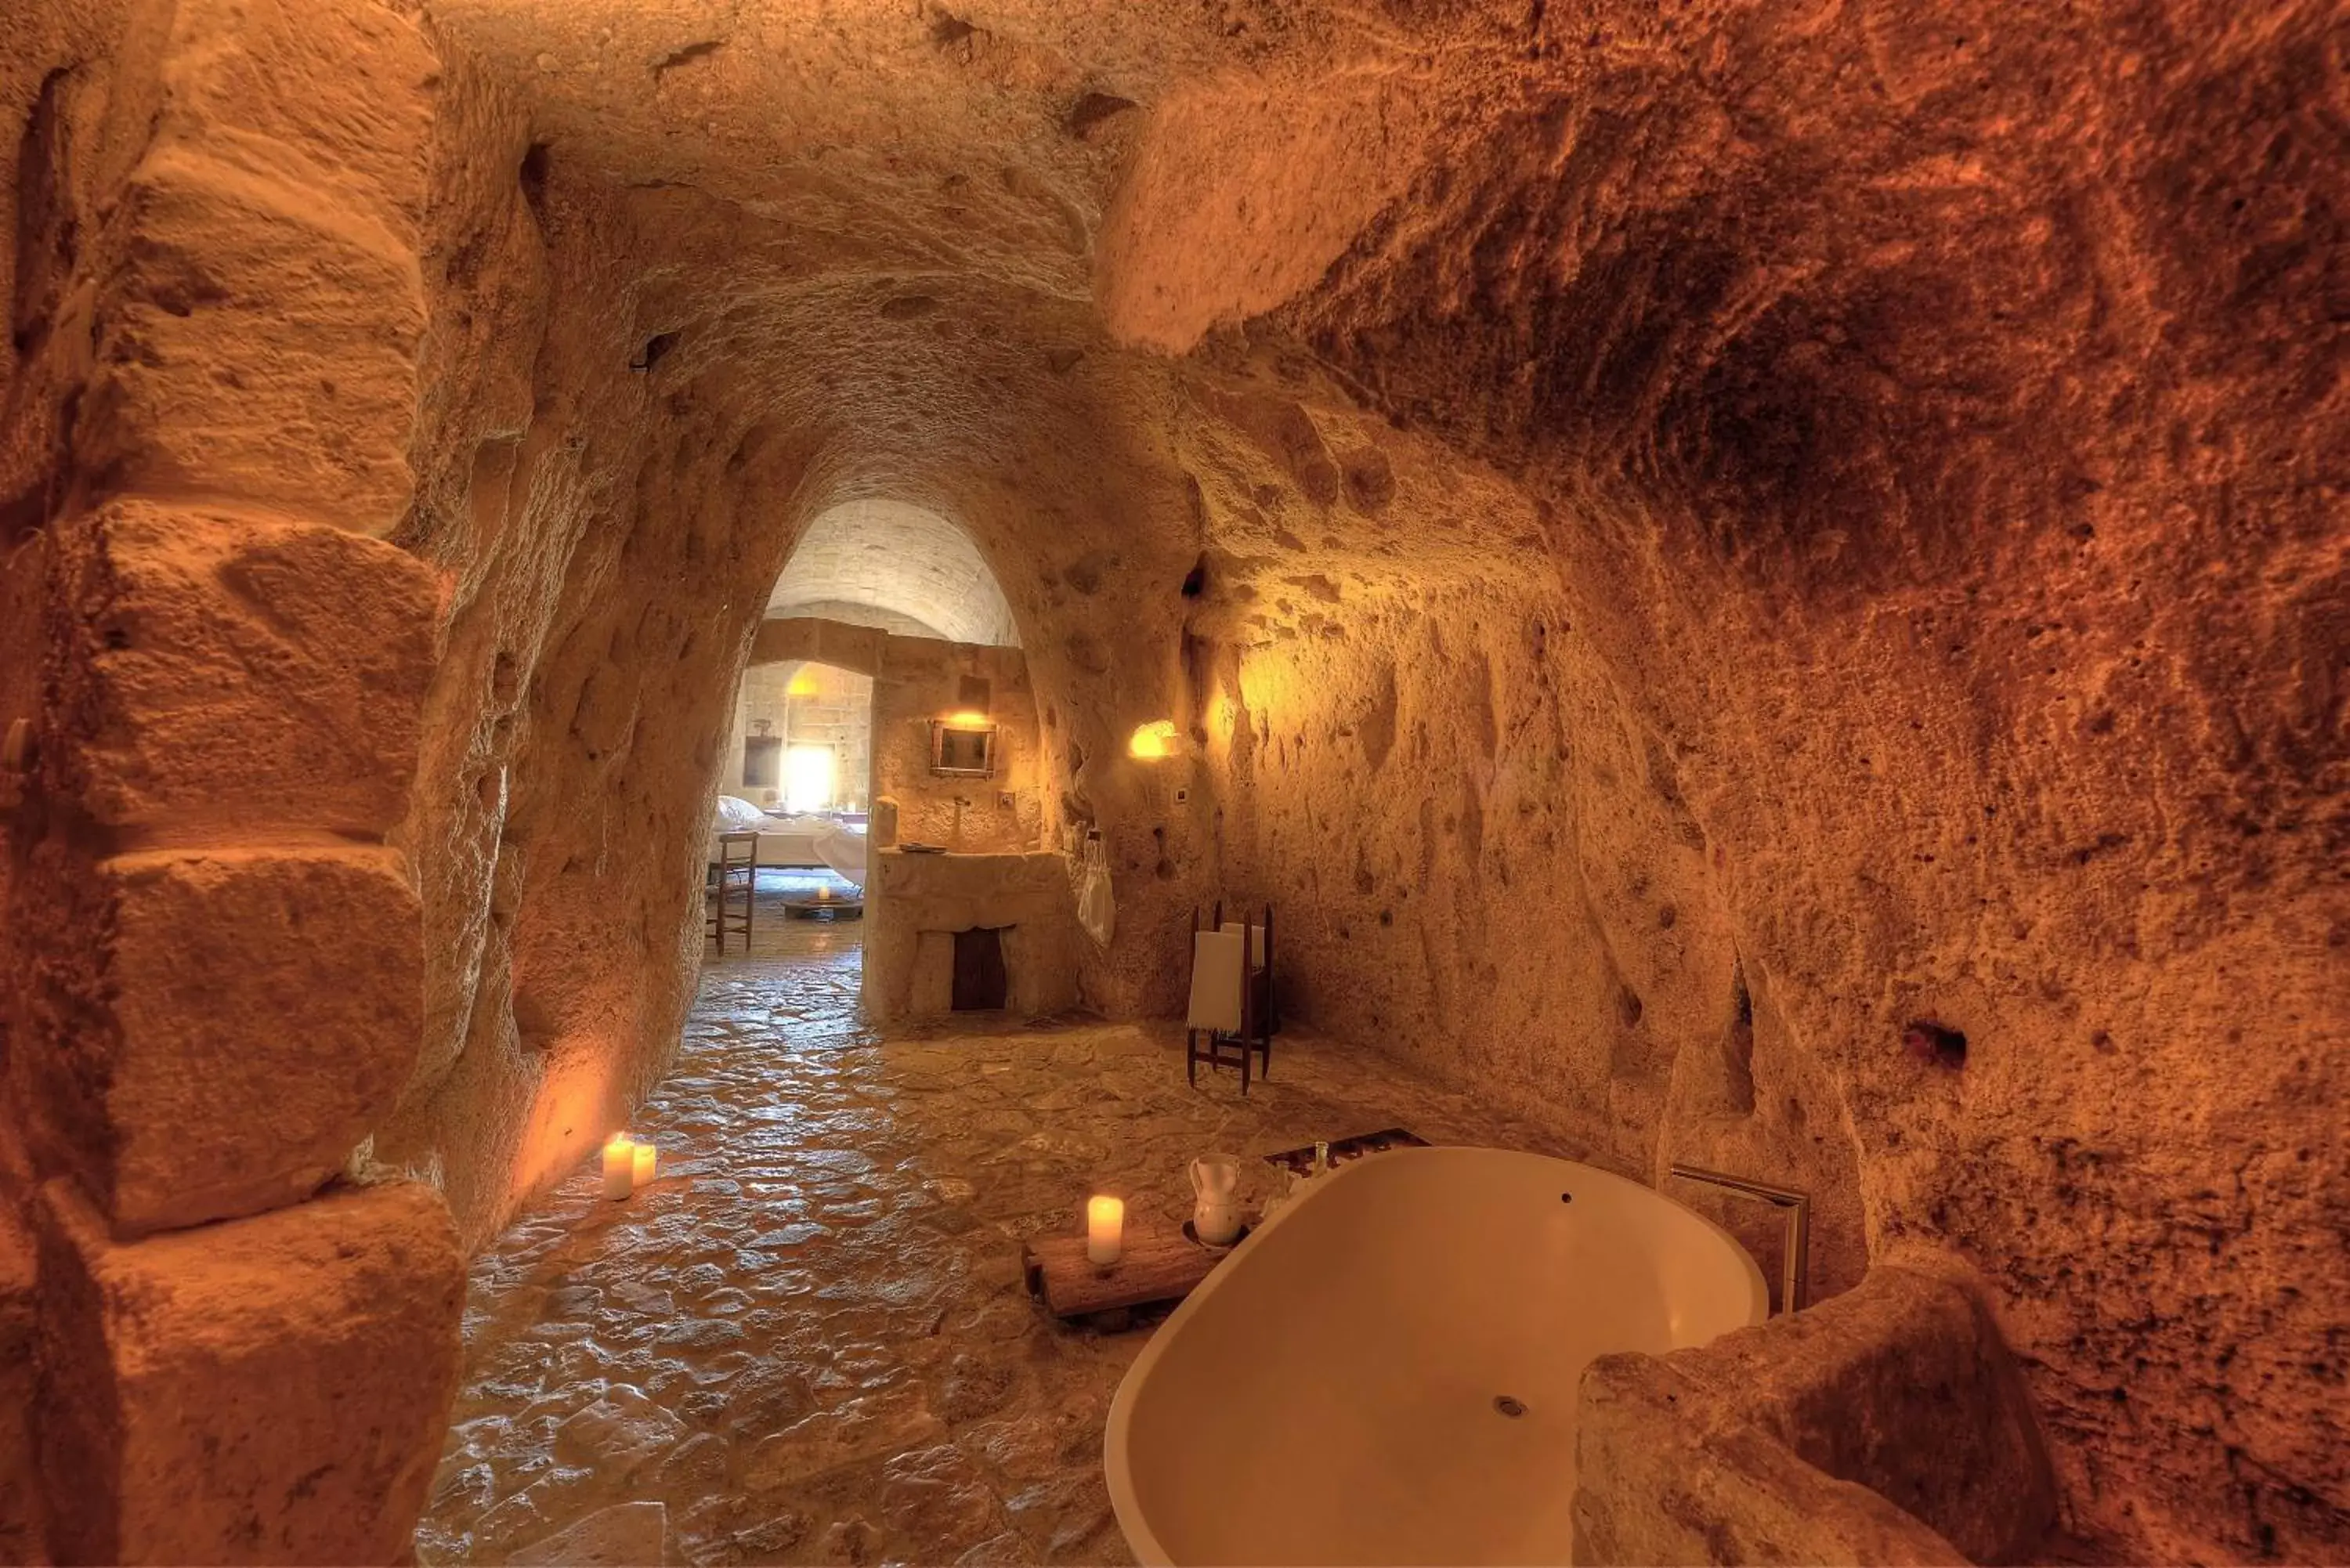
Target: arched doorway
{"points": [[886, 642]]}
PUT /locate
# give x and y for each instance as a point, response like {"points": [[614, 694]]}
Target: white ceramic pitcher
{"points": [[1215, 1183]]}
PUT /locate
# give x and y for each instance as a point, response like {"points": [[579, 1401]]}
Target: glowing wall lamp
{"points": [[1152, 741]]}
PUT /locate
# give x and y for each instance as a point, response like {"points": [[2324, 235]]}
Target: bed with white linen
{"points": [[815, 842]]}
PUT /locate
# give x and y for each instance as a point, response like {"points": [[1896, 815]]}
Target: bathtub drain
{"points": [[1512, 1408]]}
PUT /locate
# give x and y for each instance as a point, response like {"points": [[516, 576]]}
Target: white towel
{"points": [[1215, 982], [1255, 942]]}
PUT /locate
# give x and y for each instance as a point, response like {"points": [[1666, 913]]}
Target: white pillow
{"points": [[736, 814]]}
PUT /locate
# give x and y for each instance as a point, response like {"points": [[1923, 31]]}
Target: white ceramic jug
{"points": [[1215, 1183]]}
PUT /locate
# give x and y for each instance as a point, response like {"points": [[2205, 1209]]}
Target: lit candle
{"points": [[647, 1157], [619, 1165], [1105, 1229], [824, 893]]}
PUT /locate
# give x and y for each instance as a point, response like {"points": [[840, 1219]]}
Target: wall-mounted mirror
{"points": [[962, 751]]}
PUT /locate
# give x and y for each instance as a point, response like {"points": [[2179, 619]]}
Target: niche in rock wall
{"points": [[981, 983]]}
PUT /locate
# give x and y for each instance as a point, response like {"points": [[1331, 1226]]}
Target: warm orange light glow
{"points": [[619, 1165], [648, 1160], [1154, 739], [967, 720], [1105, 1229], [803, 684]]}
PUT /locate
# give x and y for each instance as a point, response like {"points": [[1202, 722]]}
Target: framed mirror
{"points": [[962, 751]]}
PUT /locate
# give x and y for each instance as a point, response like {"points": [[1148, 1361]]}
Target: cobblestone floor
{"points": [[808, 1341]]}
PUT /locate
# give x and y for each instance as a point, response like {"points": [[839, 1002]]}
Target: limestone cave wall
{"points": [[1933, 419], [1479, 853]]}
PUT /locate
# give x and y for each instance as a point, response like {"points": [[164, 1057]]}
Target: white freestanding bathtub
{"points": [[1385, 1372]]}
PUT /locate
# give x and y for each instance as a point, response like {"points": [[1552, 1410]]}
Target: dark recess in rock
{"points": [[656, 347], [1094, 108], [1937, 1043], [691, 52]]}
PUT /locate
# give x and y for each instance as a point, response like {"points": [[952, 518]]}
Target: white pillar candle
{"points": [[1105, 1229], [647, 1157], [619, 1165]]}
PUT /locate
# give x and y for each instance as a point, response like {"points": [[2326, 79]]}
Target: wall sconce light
{"points": [[1153, 741]]}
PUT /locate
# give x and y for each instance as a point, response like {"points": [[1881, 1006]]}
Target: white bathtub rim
{"points": [[1127, 1508]]}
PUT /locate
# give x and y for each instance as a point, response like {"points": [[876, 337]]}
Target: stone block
{"points": [[1888, 1425], [335, 96], [1902, 1385], [268, 1390], [1659, 1479], [256, 342], [217, 670], [244, 1020]]}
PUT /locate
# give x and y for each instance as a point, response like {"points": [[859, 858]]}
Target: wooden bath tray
{"points": [[1158, 1265]]}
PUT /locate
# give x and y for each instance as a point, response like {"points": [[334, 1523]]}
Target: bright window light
{"points": [[810, 773]]}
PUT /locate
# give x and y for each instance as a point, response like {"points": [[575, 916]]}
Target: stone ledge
{"points": [[271, 1389]]}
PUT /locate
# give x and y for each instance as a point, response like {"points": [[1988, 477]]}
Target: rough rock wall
{"points": [[212, 668], [602, 593], [1477, 855], [1937, 418]]}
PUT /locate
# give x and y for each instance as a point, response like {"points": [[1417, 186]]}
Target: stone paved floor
{"points": [[809, 1340]]}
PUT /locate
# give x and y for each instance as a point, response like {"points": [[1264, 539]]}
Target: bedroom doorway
{"points": [[798, 774]]}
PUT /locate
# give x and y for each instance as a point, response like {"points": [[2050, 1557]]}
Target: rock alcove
{"points": [[1762, 585]]}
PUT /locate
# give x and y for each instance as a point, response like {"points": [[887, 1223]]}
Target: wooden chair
{"points": [[1233, 1030], [733, 888]]}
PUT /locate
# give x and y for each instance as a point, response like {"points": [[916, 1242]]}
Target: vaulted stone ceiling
{"points": [[894, 557]]}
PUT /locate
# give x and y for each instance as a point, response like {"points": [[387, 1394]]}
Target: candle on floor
{"points": [[1105, 1229], [619, 1165], [647, 1157]]}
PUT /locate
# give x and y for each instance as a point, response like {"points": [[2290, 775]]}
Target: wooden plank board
{"points": [[1158, 1264]]}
